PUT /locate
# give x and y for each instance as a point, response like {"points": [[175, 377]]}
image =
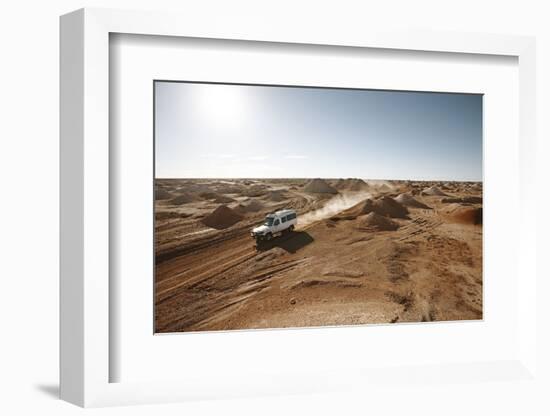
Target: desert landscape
{"points": [[363, 252]]}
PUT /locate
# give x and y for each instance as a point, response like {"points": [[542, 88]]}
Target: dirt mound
{"points": [[433, 191], [162, 194], [357, 185], [377, 222], [384, 188], [409, 201], [351, 184], [252, 206], [339, 184], [183, 198], [465, 214], [319, 186], [229, 189], [466, 200], [276, 196], [384, 206], [222, 217], [255, 190]]}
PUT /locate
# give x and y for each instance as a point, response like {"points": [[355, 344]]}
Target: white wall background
{"points": [[29, 199]]}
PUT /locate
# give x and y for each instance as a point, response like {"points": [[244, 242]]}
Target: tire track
{"points": [[208, 267]]}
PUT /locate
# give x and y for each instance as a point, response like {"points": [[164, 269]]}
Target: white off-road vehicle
{"points": [[275, 225]]}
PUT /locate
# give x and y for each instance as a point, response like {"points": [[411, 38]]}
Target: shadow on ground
{"points": [[291, 242]]}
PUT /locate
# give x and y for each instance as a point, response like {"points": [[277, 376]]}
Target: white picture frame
{"points": [[85, 165]]}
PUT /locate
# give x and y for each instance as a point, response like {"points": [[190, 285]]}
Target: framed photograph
{"points": [[291, 206], [323, 200]]}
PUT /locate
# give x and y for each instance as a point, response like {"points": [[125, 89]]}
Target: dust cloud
{"points": [[335, 205]]}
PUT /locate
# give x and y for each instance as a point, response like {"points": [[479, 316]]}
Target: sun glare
{"points": [[222, 105]]}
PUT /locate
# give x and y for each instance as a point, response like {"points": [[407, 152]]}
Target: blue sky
{"points": [[238, 131]]}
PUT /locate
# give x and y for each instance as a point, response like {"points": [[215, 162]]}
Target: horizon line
{"points": [[318, 177]]}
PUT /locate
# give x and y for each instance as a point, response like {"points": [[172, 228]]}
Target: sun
{"points": [[222, 105]]}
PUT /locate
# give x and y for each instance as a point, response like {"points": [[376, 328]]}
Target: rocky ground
{"points": [[363, 252]]}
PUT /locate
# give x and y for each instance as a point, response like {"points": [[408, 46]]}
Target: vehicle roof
{"points": [[284, 212]]}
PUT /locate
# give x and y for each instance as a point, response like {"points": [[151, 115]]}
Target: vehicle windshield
{"points": [[268, 221]]}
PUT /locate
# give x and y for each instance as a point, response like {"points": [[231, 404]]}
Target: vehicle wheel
{"points": [[291, 228], [268, 236]]}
